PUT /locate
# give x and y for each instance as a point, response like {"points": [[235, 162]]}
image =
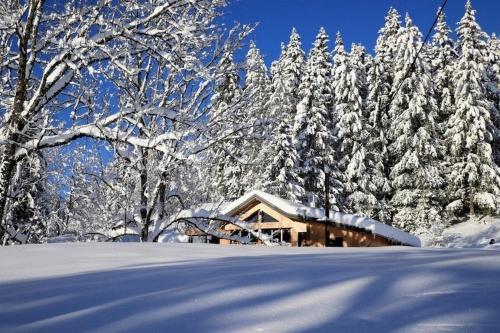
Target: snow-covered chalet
{"points": [[300, 225]]}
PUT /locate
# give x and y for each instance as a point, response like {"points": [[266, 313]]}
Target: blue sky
{"points": [[358, 21]]}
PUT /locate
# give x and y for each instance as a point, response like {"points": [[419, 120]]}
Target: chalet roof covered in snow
{"points": [[300, 211]]}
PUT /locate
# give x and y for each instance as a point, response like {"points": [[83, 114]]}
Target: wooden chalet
{"points": [[300, 225]]}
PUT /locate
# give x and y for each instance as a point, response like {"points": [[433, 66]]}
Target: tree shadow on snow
{"points": [[341, 291]]}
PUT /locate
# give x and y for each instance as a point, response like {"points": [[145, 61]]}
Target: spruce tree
{"points": [[280, 155], [256, 90], [443, 58], [226, 122], [257, 118], [474, 178], [313, 128], [415, 177], [291, 70], [387, 45], [281, 174], [349, 87], [493, 90], [380, 77]]}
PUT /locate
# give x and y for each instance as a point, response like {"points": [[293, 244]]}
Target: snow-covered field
{"points": [[103, 287], [473, 234]]}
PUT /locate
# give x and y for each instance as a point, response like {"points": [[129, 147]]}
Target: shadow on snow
{"points": [[328, 292]]}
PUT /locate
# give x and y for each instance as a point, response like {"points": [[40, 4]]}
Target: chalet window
{"points": [[254, 218], [287, 237], [268, 218]]}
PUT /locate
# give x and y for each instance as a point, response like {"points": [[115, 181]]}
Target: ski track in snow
{"points": [[128, 287]]}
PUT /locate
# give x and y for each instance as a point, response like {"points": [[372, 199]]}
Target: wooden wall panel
{"points": [[351, 238]]}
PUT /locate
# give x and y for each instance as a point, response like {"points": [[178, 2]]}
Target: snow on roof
{"points": [[287, 207], [301, 211]]}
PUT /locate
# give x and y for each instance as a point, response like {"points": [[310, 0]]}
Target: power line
{"points": [[412, 66]]}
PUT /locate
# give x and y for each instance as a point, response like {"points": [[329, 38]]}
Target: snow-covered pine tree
{"points": [[291, 70], [225, 157], [256, 117], [350, 90], [415, 177], [277, 90], [270, 149], [286, 75], [280, 153], [387, 45], [493, 90], [281, 172], [380, 78], [313, 128], [256, 89], [443, 58], [340, 91], [474, 178]]}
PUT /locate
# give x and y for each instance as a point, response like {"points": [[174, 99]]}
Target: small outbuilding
{"points": [[300, 225]]}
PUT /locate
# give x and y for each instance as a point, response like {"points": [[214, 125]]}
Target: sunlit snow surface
{"points": [[105, 287], [473, 233]]}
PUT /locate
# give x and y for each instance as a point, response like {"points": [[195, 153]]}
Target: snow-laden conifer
{"points": [[415, 177], [349, 90], [313, 128], [493, 90], [474, 179], [281, 177], [225, 158], [291, 71], [443, 58], [257, 118], [281, 157], [387, 45], [380, 77], [256, 91]]}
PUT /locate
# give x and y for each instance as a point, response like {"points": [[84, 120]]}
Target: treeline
{"points": [[129, 120], [409, 140]]}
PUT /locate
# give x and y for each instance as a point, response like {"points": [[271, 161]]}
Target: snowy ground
{"points": [[473, 234], [135, 287]]}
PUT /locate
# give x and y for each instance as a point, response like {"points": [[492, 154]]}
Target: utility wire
{"points": [[412, 66]]}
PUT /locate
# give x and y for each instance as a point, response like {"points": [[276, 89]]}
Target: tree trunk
{"points": [[16, 122], [161, 201], [161, 206], [6, 172], [144, 198], [471, 204]]}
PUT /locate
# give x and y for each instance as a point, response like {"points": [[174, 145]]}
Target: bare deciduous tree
{"points": [[136, 74]]}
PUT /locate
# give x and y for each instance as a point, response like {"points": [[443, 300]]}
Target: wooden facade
{"points": [[301, 231], [341, 236]]}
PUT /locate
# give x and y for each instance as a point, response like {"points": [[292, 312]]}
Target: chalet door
{"points": [[337, 242], [301, 238]]}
